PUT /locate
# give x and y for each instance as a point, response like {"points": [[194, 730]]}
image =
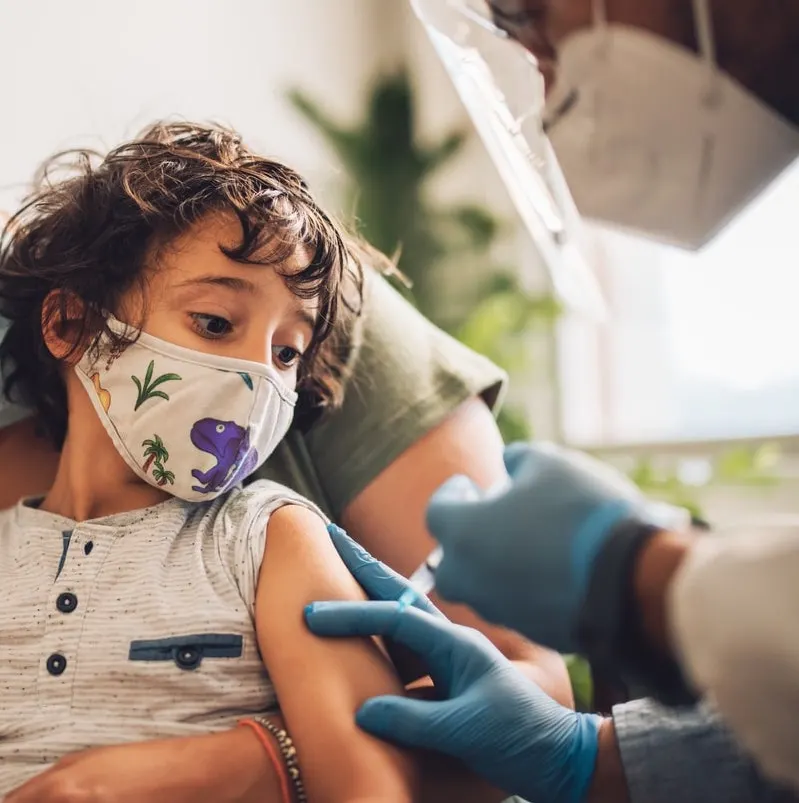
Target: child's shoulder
{"points": [[236, 524], [266, 495], [246, 509], [8, 516]]}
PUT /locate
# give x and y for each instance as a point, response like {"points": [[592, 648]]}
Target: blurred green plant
{"points": [[582, 682], [386, 190], [740, 466]]}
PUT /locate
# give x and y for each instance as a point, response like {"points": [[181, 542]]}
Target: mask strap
{"points": [[599, 14], [703, 23], [599, 18]]}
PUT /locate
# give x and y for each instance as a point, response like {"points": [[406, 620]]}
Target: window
{"points": [[702, 346]]}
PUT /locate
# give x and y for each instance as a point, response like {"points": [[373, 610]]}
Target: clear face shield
{"points": [[653, 138], [502, 89]]}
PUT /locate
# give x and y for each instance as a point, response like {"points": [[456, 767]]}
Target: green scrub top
{"points": [[407, 377]]}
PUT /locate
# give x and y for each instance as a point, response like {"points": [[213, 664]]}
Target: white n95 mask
{"points": [[657, 140], [194, 424]]}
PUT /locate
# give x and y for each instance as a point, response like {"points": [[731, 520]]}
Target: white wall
{"points": [[78, 71]]}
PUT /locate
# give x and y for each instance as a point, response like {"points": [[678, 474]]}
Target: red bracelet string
{"points": [[271, 750]]}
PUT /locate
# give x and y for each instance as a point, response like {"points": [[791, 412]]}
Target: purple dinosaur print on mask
{"points": [[229, 443]]}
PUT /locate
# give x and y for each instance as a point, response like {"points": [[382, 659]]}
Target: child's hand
{"points": [[227, 767]]}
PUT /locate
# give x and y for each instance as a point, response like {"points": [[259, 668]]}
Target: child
{"points": [[167, 306]]}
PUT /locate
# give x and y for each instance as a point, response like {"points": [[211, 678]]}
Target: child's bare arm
{"points": [[321, 683], [226, 767]]}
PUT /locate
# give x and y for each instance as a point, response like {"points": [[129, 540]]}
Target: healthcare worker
{"points": [[568, 557], [503, 727], [707, 91]]}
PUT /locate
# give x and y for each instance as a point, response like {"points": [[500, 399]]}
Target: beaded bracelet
{"points": [[289, 754], [279, 766]]}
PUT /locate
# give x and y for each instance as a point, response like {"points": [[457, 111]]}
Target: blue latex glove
{"points": [[495, 720], [521, 553]]}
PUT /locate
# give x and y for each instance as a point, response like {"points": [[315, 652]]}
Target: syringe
{"points": [[423, 580]]}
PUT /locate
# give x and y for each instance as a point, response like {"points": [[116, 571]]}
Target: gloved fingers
{"points": [[573, 468], [601, 473], [352, 618], [535, 457], [459, 580], [379, 581], [517, 454], [350, 551], [410, 723], [440, 643], [417, 630], [447, 504]]}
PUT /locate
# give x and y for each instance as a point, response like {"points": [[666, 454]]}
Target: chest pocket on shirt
{"points": [[187, 652]]}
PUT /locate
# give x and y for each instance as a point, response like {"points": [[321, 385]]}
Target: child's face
{"points": [[199, 299]]}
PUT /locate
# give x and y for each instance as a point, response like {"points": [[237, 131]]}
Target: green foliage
{"points": [[582, 682], [388, 172], [664, 484], [743, 466], [740, 466]]}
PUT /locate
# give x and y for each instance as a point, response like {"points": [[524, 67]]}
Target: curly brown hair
{"points": [[92, 232]]}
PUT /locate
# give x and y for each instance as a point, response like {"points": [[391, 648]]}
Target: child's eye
{"points": [[286, 356], [210, 326]]}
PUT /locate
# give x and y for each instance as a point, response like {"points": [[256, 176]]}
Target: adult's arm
{"points": [[724, 606], [732, 615], [417, 410], [387, 518], [652, 754]]}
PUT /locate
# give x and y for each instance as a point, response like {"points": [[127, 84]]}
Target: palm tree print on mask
{"points": [[147, 388], [154, 451], [162, 476], [156, 455]]}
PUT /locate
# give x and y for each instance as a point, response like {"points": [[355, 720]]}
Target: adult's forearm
{"points": [[684, 754], [732, 618], [651, 754], [609, 784], [655, 570]]}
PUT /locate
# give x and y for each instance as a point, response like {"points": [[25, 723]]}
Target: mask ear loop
{"points": [[703, 22], [599, 19]]}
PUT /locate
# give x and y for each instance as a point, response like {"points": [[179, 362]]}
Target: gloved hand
{"points": [[495, 720], [521, 553]]}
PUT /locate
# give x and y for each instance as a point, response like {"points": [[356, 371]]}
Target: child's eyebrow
{"points": [[231, 282], [240, 285], [303, 316]]}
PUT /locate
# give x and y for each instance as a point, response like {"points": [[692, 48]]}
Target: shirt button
{"points": [[188, 657], [66, 603], [88, 547], [56, 664]]}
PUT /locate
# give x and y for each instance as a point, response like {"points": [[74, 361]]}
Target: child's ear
{"points": [[63, 327]]}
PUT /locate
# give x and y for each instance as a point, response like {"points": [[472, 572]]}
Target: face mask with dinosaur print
{"points": [[192, 423]]}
